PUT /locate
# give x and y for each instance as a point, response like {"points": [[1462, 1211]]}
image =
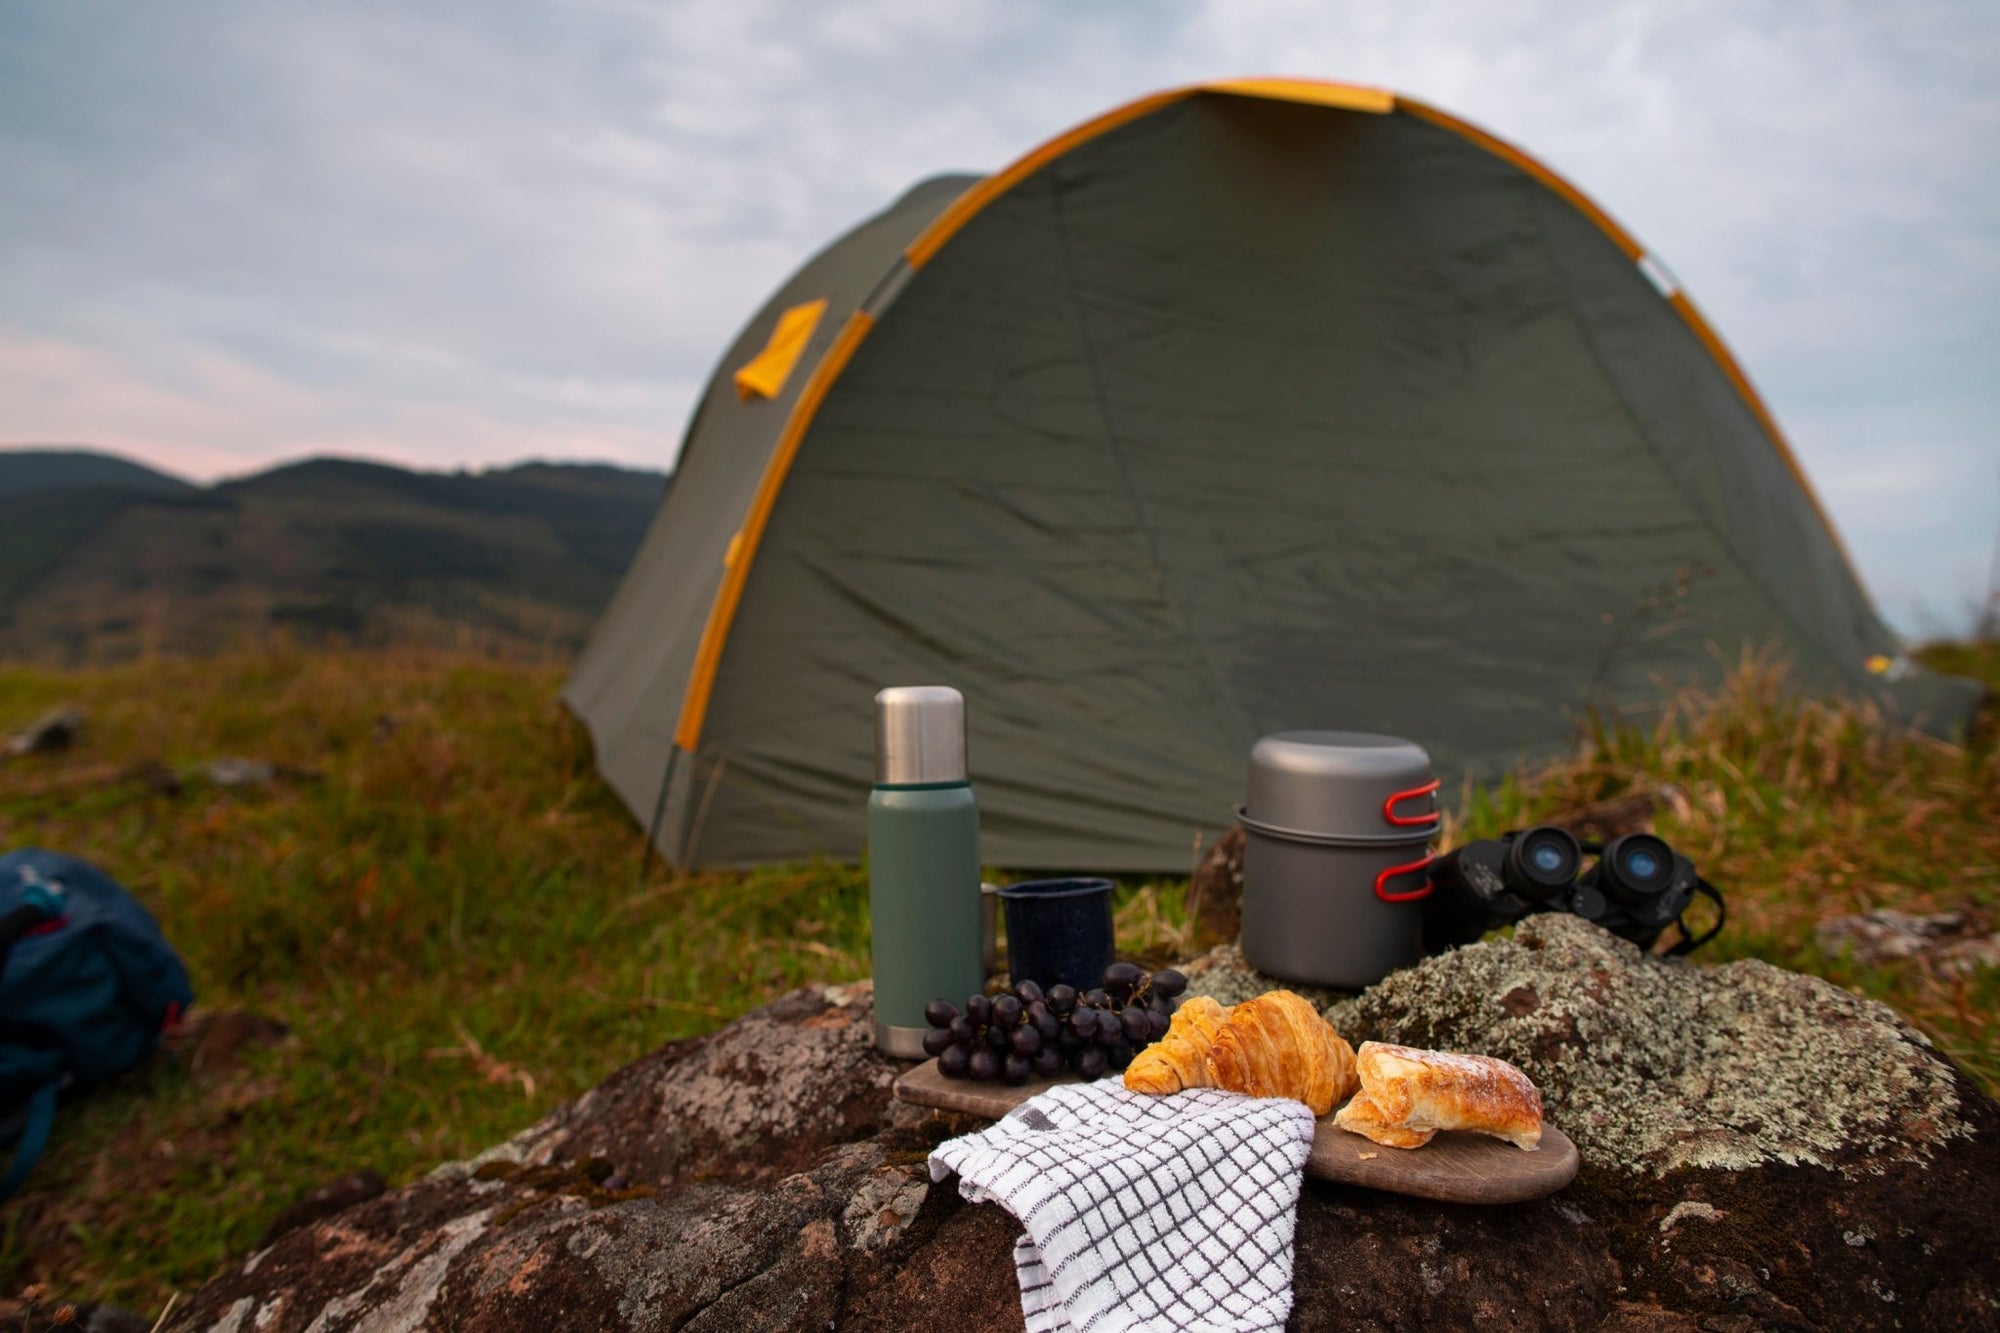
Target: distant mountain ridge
{"points": [[38, 467], [103, 559]]}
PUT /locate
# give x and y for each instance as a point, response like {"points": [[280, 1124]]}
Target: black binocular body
{"points": [[1636, 889]]}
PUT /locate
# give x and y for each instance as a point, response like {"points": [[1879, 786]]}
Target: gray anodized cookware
{"points": [[1337, 828]]}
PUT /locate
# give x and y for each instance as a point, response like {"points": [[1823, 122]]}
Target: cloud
{"points": [[442, 231]]}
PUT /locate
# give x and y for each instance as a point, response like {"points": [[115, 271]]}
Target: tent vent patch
{"points": [[764, 375], [1659, 275]]}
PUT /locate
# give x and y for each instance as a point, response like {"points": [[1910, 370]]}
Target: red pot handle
{"points": [[1382, 882], [1410, 821]]}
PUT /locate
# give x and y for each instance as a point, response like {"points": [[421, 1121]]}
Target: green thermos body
{"points": [[923, 864]]}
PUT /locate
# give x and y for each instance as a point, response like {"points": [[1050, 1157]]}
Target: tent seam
{"points": [[1722, 537]]}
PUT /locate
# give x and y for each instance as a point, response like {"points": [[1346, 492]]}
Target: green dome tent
{"points": [[1244, 407]]}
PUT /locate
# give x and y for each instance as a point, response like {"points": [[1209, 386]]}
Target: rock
{"points": [[1947, 942], [231, 771], [766, 1180], [1224, 975], [32, 1311], [1215, 894], [336, 1196], [236, 771], [215, 1042], [759, 1099], [57, 729]]}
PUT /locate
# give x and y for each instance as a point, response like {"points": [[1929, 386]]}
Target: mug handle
{"points": [[1382, 882]]}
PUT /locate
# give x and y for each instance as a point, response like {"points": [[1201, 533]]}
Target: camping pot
{"points": [[1336, 854]]}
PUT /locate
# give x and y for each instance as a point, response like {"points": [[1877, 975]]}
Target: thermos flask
{"points": [[923, 864]]}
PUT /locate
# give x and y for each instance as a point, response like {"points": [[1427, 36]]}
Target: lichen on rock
{"points": [[1225, 976], [884, 1203], [762, 1079], [1653, 1064]]}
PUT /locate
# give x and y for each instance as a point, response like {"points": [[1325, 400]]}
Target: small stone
{"points": [[1886, 935], [1689, 1208], [1968, 956], [218, 1042], [55, 730], [1215, 894], [234, 772], [335, 1196]]}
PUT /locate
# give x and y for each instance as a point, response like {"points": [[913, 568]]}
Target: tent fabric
{"points": [[629, 684], [1244, 411]]}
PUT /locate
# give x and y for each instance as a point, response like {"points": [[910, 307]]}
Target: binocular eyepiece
{"points": [[1636, 888], [1540, 863]]}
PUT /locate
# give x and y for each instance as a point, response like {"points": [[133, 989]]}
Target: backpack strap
{"points": [[41, 903], [34, 1137]]}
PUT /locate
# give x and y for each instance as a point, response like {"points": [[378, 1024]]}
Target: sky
{"points": [[458, 234]]}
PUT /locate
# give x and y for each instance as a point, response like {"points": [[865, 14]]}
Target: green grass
{"points": [[447, 908], [449, 917]]}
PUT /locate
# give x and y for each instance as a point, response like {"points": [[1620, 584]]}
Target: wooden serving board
{"points": [[1456, 1166]]}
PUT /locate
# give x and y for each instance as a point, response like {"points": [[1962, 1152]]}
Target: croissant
{"points": [[1179, 1059], [1408, 1095], [1277, 1045]]}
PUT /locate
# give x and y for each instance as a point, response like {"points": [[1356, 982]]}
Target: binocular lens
{"points": [[1636, 866], [1542, 861]]}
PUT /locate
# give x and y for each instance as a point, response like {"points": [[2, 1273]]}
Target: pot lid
{"points": [[1342, 782]]}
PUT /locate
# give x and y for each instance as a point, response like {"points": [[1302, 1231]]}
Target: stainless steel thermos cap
{"points": [[919, 735]]}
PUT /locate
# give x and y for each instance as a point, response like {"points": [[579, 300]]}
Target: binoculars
{"points": [[1636, 889]]}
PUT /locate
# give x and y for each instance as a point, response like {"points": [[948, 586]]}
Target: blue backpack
{"points": [[87, 985]]}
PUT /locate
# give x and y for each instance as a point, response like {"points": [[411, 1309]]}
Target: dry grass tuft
{"points": [[1802, 810]]}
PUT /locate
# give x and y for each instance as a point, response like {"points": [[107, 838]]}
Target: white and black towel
{"points": [[1144, 1212]]}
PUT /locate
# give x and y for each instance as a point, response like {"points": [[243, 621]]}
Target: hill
{"points": [[102, 560], [56, 467]]}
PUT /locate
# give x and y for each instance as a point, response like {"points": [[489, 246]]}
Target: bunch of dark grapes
{"points": [[1027, 1033]]}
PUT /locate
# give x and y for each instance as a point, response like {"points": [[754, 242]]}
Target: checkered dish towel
{"points": [[1144, 1212]]}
